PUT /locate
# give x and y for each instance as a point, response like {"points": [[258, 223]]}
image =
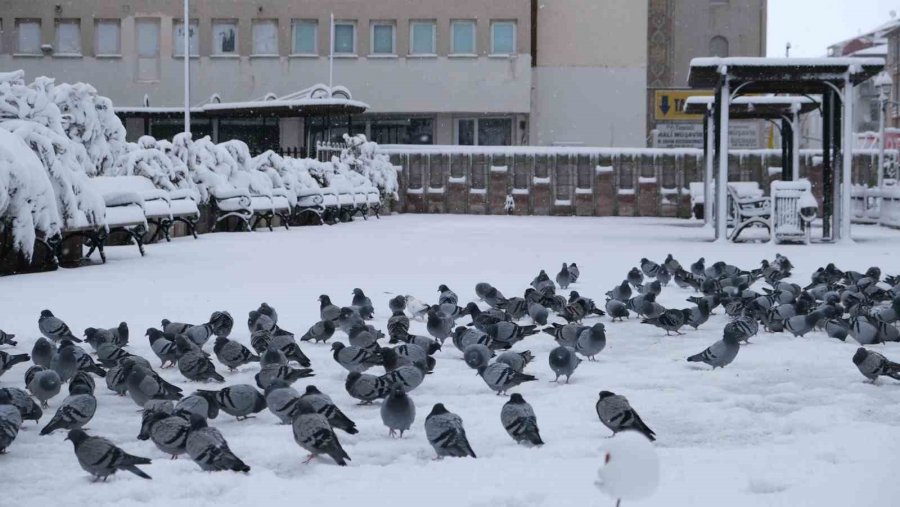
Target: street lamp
{"points": [[883, 85]]}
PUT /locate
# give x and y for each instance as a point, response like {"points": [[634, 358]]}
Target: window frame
{"points": [[255, 22], [477, 125], [57, 23], [301, 21], [474, 24], [412, 25], [515, 41], [393, 27], [108, 21], [355, 51], [192, 22], [215, 53], [40, 30]]}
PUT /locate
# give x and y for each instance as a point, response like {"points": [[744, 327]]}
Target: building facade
{"points": [[503, 72]]}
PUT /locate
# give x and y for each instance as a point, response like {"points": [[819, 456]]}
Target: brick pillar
{"points": [[498, 184], [648, 188], [604, 187]]}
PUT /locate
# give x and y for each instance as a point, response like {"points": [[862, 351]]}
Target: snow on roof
{"points": [[876, 50], [758, 61], [532, 150], [774, 100]]}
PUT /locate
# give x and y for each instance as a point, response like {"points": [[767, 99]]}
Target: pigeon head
{"points": [[123, 327], [46, 313], [5, 398], [874, 272], [273, 356], [860, 355], [150, 418], [605, 394], [197, 422], [516, 398], [433, 347], [221, 341], [311, 389], [574, 295], [266, 309], [358, 292], [598, 328], [77, 436], [731, 335], [222, 322], [438, 409], [443, 288], [325, 300], [644, 260], [473, 309], [253, 316], [153, 333], [337, 346], [353, 377], [346, 312], [90, 332], [42, 345]]}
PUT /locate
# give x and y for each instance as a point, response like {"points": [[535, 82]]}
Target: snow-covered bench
{"points": [[889, 215], [747, 208], [251, 209], [310, 201], [162, 208], [793, 209], [698, 198], [864, 204]]}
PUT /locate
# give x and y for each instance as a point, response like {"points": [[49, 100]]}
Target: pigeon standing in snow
{"points": [[54, 329], [209, 450], [670, 321], [7, 361], [163, 345], [447, 296], [872, 365], [446, 434], [10, 421], [519, 420], [591, 341], [28, 408], [564, 278], [354, 359], [321, 404], [286, 344], [563, 361], [201, 403], [7, 338], [649, 268], [538, 313], [439, 325], [194, 365], [313, 433], [616, 414], [42, 383], [108, 354], [477, 356], [82, 382], [101, 458], [327, 310], [144, 385], [501, 377], [275, 367], [283, 401], [516, 360], [366, 388], [240, 401], [95, 337], [232, 353], [398, 411], [168, 432], [321, 331], [409, 376], [697, 315], [719, 354], [362, 304], [635, 277], [398, 326], [616, 309], [574, 272], [74, 412], [42, 352], [397, 304]]}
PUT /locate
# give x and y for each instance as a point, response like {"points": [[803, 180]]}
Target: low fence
{"points": [[581, 181]]}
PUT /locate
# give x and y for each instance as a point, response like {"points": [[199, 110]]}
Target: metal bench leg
{"points": [[166, 225], [284, 221], [190, 223]]}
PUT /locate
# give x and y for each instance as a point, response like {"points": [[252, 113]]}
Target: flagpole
{"points": [[331, 57], [187, 67]]}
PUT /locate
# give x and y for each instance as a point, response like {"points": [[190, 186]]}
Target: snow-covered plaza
{"points": [[790, 422]]}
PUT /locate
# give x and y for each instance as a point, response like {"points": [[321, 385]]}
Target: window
{"points": [[402, 130], [345, 38], [147, 35], [305, 34], [422, 38], [503, 38], [68, 37], [265, 37], [193, 37], [463, 37], [718, 46], [383, 38], [224, 35], [28, 39], [484, 131], [107, 37]]}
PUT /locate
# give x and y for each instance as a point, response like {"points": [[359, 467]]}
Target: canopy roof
{"points": [[782, 75], [754, 106]]}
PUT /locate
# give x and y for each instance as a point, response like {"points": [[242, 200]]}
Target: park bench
{"points": [[162, 208], [793, 209], [748, 208]]}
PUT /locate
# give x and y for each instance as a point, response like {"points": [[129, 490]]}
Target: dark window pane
{"points": [[466, 133], [494, 132]]}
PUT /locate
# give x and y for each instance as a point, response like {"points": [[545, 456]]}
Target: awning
{"points": [[782, 75], [755, 106]]}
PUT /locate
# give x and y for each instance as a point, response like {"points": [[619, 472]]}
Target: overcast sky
{"points": [[812, 25]]}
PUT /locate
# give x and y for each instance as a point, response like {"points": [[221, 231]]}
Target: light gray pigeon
{"points": [[446, 434], [362, 304], [144, 384], [64, 363], [477, 356], [42, 352], [42, 383], [321, 331], [94, 337], [321, 404], [10, 421], [348, 319], [327, 310], [7, 361], [439, 324], [7, 338], [538, 313], [262, 321], [233, 354], [500, 377], [168, 432], [719, 354], [175, 328], [616, 309], [564, 278], [409, 376], [120, 334], [574, 272], [509, 333], [28, 408], [202, 403], [54, 329], [398, 326], [670, 321], [366, 388], [563, 361], [109, 355], [240, 401], [429, 345], [164, 406], [591, 341], [481, 289], [275, 367], [117, 380], [863, 331], [354, 359], [872, 365], [163, 345], [101, 458], [74, 412], [465, 336], [516, 360], [447, 296], [398, 411], [616, 414], [196, 366], [283, 401], [519, 420], [209, 450], [565, 335], [82, 382], [83, 361], [313, 433], [361, 337]]}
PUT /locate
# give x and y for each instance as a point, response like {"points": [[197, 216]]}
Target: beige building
{"points": [[461, 72]]}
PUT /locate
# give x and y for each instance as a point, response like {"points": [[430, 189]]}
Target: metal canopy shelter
{"points": [[832, 78], [788, 109]]}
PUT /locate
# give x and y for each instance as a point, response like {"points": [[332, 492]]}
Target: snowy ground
{"points": [[790, 422]]}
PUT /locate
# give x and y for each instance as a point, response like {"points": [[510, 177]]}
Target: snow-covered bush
{"points": [[360, 156], [245, 177], [145, 158], [27, 203], [89, 120], [274, 166]]}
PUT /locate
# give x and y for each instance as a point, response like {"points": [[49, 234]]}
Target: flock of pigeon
{"points": [[863, 306]]}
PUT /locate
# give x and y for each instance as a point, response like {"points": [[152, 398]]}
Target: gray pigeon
{"points": [[53, 328], [362, 304], [398, 326], [168, 432], [565, 335], [196, 366], [837, 328], [232, 353], [500, 377], [516, 360], [516, 307], [7, 338], [538, 313], [397, 304], [74, 412], [101, 458], [563, 361], [94, 337], [321, 404], [109, 355], [120, 334], [201, 403], [574, 272], [361, 337], [616, 309], [366, 388], [175, 328], [509, 333], [409, 376], [10, 421], [670, 321], [313, 433], [209, 450], [863, 331], [616, 414], [519, 420], [82, 382], [398, 411], [439, 324], [275, 367], [144, 384], [465, 336], [477, 356], [321, 331], [446, 434], [64, 363], [872, 365], [564, 278], [283, 401], [327, 310], [42, 352], [163, 345], [354, 359], [591, 341], [42, 383], [28, 408], [117, 380], [240, 400], [164, 406], [719, 354], [481, 289], [7, 361], [348, 319], [447, 296]]}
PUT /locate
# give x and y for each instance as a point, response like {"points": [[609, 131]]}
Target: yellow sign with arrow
{"points": [[668, 105]]}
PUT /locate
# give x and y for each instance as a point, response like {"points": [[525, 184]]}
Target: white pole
{"points": [[187, 67], [846, 183], [722, 179], [881, 110], [708, 174], [795, 155], [331, 55]]}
